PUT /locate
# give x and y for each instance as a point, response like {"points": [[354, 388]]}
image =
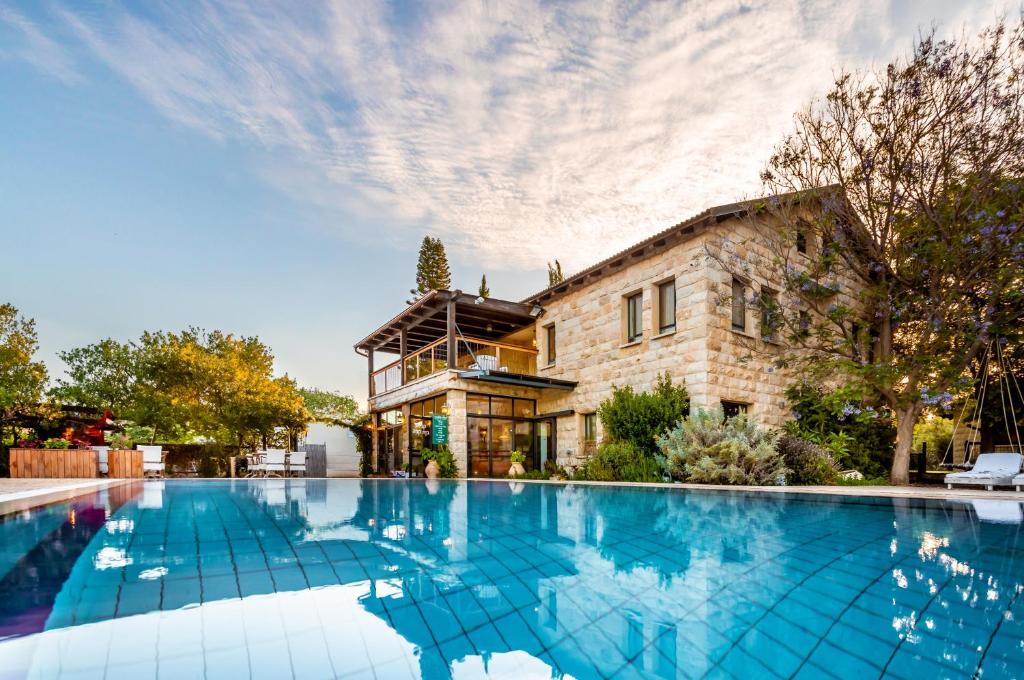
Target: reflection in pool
{"points": [[392, 578]]}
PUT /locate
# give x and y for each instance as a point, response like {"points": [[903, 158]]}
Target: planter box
{"points": [[53, 463], [124, 464]]}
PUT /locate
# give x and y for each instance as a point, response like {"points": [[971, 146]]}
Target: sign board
{"points": [[438, 430]]}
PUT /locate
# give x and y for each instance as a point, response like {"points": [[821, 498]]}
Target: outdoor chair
{"points": [[152, 460], [271, 464], [990, 469], [101, 459], [297, 463], [1018, 482]]}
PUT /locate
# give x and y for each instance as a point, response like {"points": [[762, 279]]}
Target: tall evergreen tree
{"points": [[484, 290], [432, 271], [555, 275]]}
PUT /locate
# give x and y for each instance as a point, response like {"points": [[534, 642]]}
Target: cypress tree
{"points": [[432, 271], [555, 275], [484, 290]]}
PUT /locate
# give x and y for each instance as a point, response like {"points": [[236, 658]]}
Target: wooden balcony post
{"points": [[453, 343], [402, 351]]}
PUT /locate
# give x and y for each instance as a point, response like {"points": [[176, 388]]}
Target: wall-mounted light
{"points": [[536, 311]]}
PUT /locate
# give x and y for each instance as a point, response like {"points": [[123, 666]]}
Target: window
{"points": [[801, 240], [733, 408], [667, 306], [589, 427], [770, 314], [739, 306], [805, 323], [635, 317], [549, 342]]}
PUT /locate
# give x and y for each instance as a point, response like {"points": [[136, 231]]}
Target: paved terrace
{"points": [[20, 494]]}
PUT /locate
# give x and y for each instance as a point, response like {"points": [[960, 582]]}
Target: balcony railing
{"points": [[473, 354]]}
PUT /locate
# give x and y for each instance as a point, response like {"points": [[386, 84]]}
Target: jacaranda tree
{"points": [[899, 200]]}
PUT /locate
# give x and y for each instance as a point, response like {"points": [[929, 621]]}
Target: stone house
{"points": [[530, 375]]}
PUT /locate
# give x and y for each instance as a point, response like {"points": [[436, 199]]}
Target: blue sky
{"points": [[269, 168]]}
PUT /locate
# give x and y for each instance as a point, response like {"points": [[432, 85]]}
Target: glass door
{"points": [[545, 447]]}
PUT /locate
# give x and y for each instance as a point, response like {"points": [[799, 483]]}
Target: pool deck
{"points": [[20, 494]]}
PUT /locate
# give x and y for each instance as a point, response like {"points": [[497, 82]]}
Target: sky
{"points": [[270, 168]]}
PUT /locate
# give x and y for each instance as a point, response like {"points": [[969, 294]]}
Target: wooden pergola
{"points": [[443, 314]]}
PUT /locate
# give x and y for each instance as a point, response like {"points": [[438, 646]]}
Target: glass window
{"points": [[501, 406], [635, 317], [550, 342], [739, 306], [805, 323], [416, 409], [733, 408], [590, 427], [478, 404], [524, 408], [667, 306], [441, 405], [801, 239], [428, 407]]}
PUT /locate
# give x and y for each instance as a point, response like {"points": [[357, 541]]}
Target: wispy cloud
{"points": [[517, 131], [22, 39]]}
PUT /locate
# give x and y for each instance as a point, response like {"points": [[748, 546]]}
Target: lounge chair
{"points": [[990, 469], [297, 463], [101, 459], [152, 460], [1018, 482]]}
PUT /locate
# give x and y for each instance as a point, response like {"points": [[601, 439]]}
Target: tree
{"points": [[484, 291], [907, 265], [331, 408], [22, 380], [555, 275], [432, 271], [102, 375]]}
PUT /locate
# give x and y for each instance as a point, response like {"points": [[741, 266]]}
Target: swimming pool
{"points": [[409, 579]]}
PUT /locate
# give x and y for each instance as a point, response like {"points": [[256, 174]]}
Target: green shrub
{"points": [[711, 449], [859, 436], [937, 433], [639, 418], [807, 462], [445, 461], [517, 456], [553, 469], [56, 443], [620, 461], [533, 474], [120, 442]]}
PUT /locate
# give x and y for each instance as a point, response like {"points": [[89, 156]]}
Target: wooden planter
{"points": [[53, 463], [124, 464]]}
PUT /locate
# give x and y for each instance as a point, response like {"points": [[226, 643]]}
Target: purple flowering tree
{"points": [[898, 197]]}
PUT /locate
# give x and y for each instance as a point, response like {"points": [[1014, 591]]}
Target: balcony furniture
{"points": [[152, 460], [990, 469], [270, 463]]}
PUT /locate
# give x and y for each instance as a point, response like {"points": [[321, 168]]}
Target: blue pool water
{"points": [[409, 579]]}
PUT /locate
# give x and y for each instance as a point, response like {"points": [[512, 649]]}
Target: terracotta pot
{"points": [[516, 470], [433, 470]]}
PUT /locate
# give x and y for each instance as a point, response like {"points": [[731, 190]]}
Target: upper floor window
{"points": [[801, 240], [635, 317], [739, 306], [549, 343], [590, 427], [667, 306]]}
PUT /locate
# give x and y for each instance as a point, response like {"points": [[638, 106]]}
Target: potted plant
{"points": [[516, 469], [56, 443], [432, 470]]}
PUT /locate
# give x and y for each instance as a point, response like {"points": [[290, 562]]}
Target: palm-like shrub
{"points": [[808, 463], [709, 448]]}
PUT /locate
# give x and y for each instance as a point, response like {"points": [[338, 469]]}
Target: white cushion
{"points": [[998, 462]]}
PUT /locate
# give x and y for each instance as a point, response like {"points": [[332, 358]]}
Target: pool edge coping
{"points": [[25, 500]]}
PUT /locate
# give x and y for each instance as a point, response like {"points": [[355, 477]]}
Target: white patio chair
{"points": [[101, 459], [152, 460], [273, 464], [990, 469], [297, 463]]}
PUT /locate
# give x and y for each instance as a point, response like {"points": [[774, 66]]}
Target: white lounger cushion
{"points": [[152, 458], [990, 469], [1018, 480]]}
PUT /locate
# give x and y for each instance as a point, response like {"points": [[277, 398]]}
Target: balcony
{"points": [[474, 355]]}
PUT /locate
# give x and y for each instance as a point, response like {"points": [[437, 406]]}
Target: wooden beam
{"points": [[403, 349], [453, 345], [369, 361]]}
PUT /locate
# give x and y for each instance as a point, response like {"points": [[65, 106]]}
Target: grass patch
{"points": [[867, 481]]}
